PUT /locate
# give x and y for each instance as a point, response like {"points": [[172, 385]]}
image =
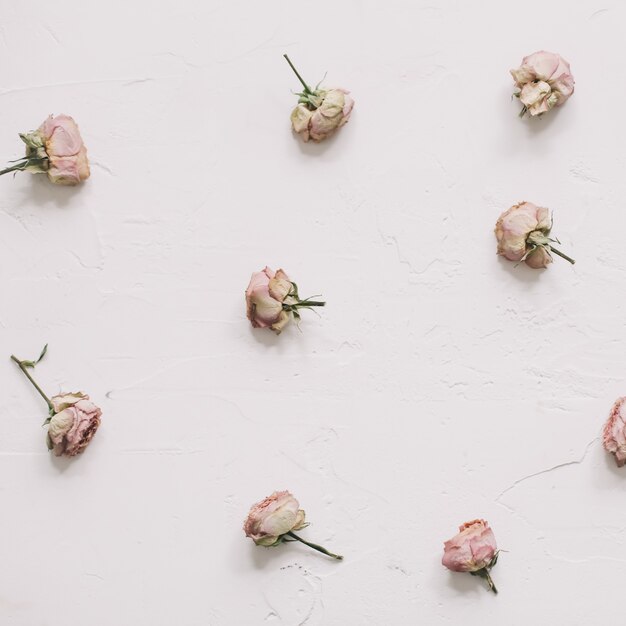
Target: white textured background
{"points": [[439, 384]]}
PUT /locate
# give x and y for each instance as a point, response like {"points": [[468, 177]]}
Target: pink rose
{"points": [[544, 80], [57, 149], [67, 155], [73, 425], [522, 233], [274, 520], [472, 550], [72, 418], [265, 296], [320, 112], [272, 300], [614, 433]]}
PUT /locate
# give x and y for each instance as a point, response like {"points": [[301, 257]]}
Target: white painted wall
{"points": [[439, 384]]}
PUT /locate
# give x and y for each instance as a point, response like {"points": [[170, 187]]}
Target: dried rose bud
{"points": [[57, 149], [522, 233], [544, 80], [272, 300], [273, 520], [73, 425], [320, 112], [472, 550], [72, 418], [614, 434]]}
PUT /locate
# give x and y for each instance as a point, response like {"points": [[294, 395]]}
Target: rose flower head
{"points": [[522, 233], [272, 518], [472, 550], [543, 81], [320, 112], [73, 425], [272, 521], [272, 300], [57, 149], [614, 433]]}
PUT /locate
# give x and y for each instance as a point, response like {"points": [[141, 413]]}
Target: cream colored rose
{"points": [[543, 81], [320, 112], [272, 518], [319, 123]]}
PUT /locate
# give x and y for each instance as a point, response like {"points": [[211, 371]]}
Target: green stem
{"points": [[13, 168], [563, 256], [22, 164], [315, 546], [307, 89], [37, 387], [307, 303], [492, 587]]}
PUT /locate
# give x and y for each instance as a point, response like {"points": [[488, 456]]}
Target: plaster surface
{"points": [[439, 384]]}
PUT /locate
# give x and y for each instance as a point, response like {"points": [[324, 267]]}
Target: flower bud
{"points": [[73, 424], [544, 80]]}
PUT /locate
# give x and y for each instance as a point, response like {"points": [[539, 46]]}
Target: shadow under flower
{"points": [[61, 463], [539, 123], [521, 271], [42, 191], [609, 459], [464, 583]]}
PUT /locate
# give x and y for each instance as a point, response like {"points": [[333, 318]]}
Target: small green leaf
{"points": [[43, 353]]}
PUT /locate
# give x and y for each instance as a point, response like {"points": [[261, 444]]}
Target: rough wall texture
{"points": [[439, 384]]}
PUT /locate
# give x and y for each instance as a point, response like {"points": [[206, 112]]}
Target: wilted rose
{"points": [[472, 550], [265, 296], [272, 518], [522, 233], [57, 149], [73, 424], [544, 80], [320, 112], [614, 433], [272, 300], [332, 113], [67, 155]]}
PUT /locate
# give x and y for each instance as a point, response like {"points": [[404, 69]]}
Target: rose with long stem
{"points": [[72, 418], [274, 519]]}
